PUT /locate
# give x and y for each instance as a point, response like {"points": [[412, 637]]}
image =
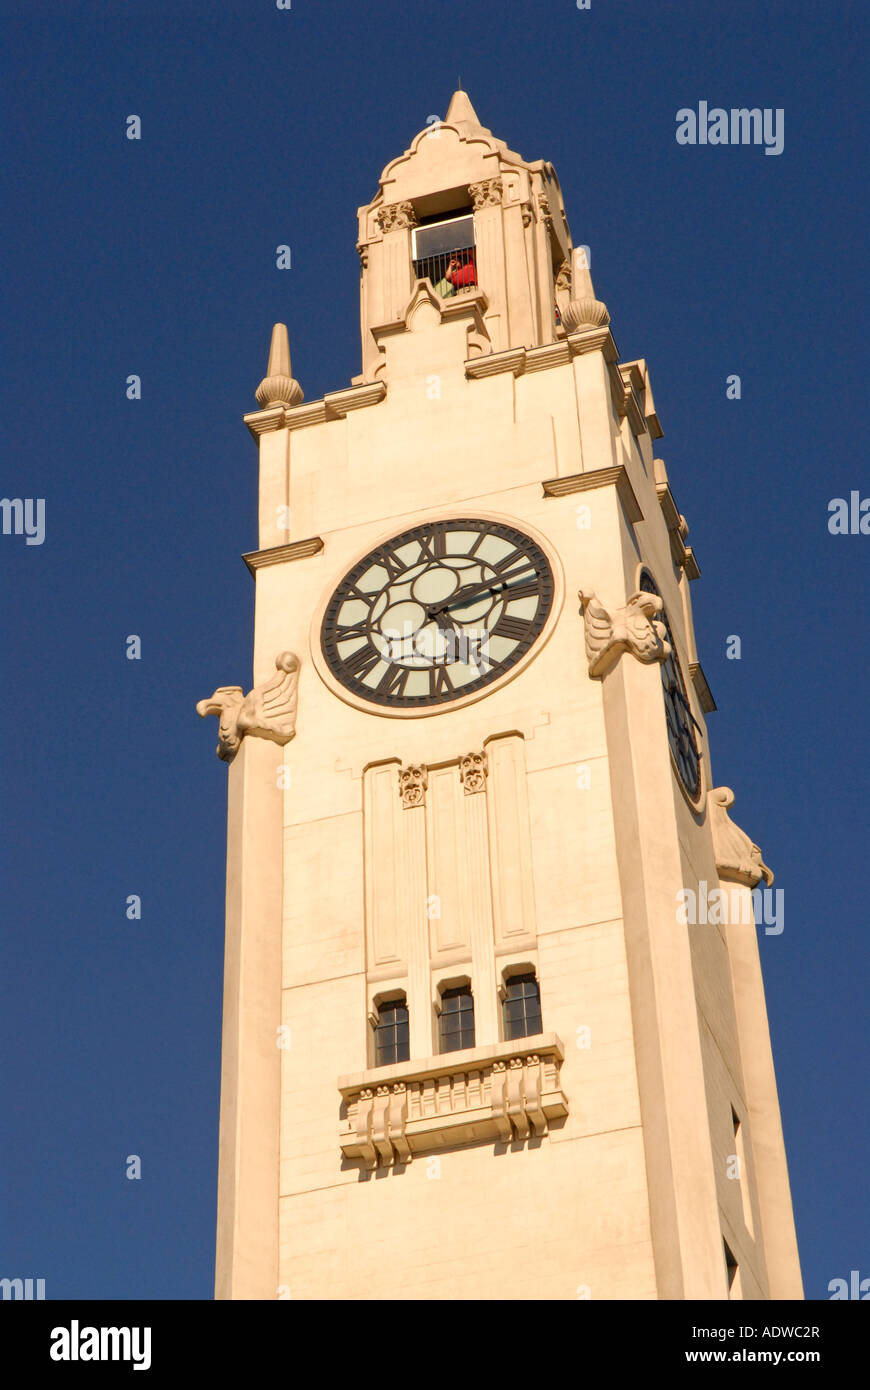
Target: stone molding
{"points": [[507, 1092], [737, 858], [268, 711], [678, 529], [277, 554], [598, 477], [702, 689], [334, 406], [633, 629]]}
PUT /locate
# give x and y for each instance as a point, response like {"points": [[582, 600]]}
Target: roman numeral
{"points": [[512, 560], [361, 661], [434, 545], [351, 631], [439, 681], [514, 629], [393, 681], [394, 567], [527, 590]]}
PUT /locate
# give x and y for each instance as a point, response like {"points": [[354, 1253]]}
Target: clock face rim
{"points": [[444, 706], [697, 802]]}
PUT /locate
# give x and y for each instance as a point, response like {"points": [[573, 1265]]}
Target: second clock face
{"points": [[437, 613]]}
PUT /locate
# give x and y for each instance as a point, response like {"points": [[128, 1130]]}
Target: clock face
{"points": [[437, 613], [678, 713]]}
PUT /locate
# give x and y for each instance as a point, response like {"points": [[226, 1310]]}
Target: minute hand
{"points": [[466, 595]]}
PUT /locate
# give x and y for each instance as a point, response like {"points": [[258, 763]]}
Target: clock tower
{"points": [[494, 1025]]}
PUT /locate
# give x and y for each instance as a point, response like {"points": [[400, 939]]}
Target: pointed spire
{"points": [[279, 352], [460, 111], [278, 386]]}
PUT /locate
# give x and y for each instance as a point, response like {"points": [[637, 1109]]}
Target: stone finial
{"points": [[737, 858], [583, 310], [269, 711], [278, 386], [633, 628]]}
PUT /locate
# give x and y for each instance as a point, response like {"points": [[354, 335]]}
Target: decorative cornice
{"points": [[633, 629], [268, 711], [505, 1093], [678, 529], [598, 477], [737, 858], [277, 554], [334, 406], [702, 689], [486, 194]]}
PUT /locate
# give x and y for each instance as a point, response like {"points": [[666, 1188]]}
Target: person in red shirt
{"points": [[461, 271]]}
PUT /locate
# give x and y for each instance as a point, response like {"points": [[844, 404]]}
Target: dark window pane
{"points": [[391, 1033], [456, 1024], [522, 1007]]}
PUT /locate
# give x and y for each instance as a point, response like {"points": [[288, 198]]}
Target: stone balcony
{"points": [[506, 1092]]}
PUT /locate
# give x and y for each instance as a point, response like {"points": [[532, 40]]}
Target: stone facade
{"points": [[536, 825]]}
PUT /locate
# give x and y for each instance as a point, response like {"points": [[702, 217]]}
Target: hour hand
{"points": [[465, 596]]}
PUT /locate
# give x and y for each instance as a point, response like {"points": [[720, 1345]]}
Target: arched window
{"points": [[456, 1020], [391, 1032], [522, 1006]]}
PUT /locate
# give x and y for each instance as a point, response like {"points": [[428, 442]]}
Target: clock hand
{"points": [[466, 595]]}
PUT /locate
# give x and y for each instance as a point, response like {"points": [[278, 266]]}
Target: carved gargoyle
{"points": [[633, 628], [268, 711], [737, 858]]}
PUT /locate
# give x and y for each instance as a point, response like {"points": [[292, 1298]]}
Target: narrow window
{"points": [[522, 1007], [740, 1154], [457, 1019], [391, 1033], [734, 1290]]}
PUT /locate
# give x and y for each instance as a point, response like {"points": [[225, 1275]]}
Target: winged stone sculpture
{"points": [[633, 628], [737, 858], [268, 711]]}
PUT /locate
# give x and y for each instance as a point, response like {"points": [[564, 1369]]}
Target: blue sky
{"points": [[157, 257]]}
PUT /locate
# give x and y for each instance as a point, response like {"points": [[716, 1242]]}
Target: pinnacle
{"points": [[460, 111]]}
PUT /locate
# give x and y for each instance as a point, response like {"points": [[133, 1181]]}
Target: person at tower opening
{"points": [[461, 271]]}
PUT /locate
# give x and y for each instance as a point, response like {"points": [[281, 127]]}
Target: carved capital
{"points": [[472, 772], [544, 209], [487, 193], [413, 782], [737, 858], [363, 254], [268, 711], [563, 276], [528, 214], [633, 629], [396, 215]]}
